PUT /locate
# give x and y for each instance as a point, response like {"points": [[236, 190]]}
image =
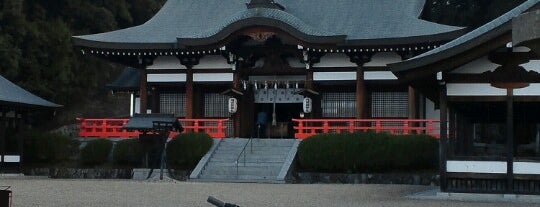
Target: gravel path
{"points": [[52, 192]]}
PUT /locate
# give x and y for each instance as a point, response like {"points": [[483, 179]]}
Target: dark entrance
{"points": [[283, 127]]}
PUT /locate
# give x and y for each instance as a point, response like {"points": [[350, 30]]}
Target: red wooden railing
{"points": [[114, 128], [307, 127]]}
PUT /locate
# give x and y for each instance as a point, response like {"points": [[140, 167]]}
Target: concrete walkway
{"points": [[49, 192]]}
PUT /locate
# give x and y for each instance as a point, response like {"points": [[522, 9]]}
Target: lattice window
{"points": [[338, 105], [173, 103], [216, 106], [389, 104]]}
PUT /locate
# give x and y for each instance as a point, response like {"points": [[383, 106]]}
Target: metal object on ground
{"points": [[219, 203]]}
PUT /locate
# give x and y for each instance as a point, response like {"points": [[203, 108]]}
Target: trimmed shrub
{"points": [[367, 152], [96, 152], [128, 153], [185, 150], [48, 148]]}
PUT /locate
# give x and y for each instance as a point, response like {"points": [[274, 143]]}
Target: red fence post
{"points": [[300, 133], [351, 126], [325, 126], [196, 125], [406, 127], [378, 126], [429, 127], [220, 129]]}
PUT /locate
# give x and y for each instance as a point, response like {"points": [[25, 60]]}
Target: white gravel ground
{"points": [[52, 192]]}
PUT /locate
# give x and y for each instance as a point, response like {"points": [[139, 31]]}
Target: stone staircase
{"points": [[262, 161]]}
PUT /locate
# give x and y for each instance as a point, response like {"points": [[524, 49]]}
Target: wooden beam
{"points": [[2, 139], [189, 92], [360, 93], [143, 95], [412, 103], [237, 117], [443, 141], [510, 140]]}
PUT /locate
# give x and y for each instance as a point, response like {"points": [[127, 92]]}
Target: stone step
{"points": [[262, 171], [231, 155], [248, 148], [235, 177], [248, 159], [249, 152], [249, 164]]}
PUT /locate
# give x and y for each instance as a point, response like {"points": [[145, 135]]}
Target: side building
{"points": [[487, 86], [193, 55]]}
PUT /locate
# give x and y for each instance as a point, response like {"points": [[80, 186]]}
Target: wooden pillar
{"points": [[143, 95], [510, 139], [452, 131], [2, 139], [412, 103], [309, 80], [20, 139], [189, 92], [443, 141], [360, 94], [237, 117]]}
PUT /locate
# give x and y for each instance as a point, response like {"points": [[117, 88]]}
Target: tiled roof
{"points": [[355, 20], [128, 80], [470, 40], [13, 95], [146, 121]]}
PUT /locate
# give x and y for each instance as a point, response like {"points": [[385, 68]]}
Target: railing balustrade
{"points": [[308, 127], [114, 128]]}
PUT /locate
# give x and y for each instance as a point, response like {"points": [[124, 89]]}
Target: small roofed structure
{"points": [[155, 130], [487, 86], [15, 104]]}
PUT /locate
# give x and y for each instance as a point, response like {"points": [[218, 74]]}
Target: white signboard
{"points": [[280, 95], [233, 105], [307, 105]]}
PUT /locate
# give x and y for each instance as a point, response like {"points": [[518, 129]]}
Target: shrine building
{"points": [[193, 56]]}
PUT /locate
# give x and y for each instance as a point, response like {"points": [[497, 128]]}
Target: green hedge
{"points": [[185, 150], [128, 153], [96, 152], [367, 152], [48, 148]]}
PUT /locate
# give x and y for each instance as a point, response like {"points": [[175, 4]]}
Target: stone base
{"points": [[365, 178], [142, 174]]}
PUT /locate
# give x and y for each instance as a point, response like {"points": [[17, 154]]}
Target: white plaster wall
{"points": [[383, 59], [212, 62], [291, 78], [477, 66], [166, 62], [335, 60], [212, 77], [530, 168], [480, 89], [379, 75], [173, 77], [496, 167], [12, 158], [326, 76], [532, 90]]}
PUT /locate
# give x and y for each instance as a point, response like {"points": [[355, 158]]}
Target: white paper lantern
{"points": [[307, 105], [233, 105]]}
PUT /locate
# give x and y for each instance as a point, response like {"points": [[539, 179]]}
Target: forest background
{"points": [[36, 50]]}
